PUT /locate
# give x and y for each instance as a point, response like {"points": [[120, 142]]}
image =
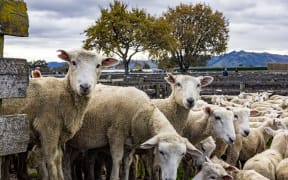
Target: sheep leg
{"points": [[59, 163], [117, 153], [187, 168], [49, 146], [90, 161], [127, 160]]}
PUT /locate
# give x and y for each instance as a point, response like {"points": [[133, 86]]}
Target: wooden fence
{"points": [[14, 129], [156, 87], [278, 66]]}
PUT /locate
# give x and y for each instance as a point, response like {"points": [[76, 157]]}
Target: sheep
{"points": [[185, 93], [236, 173], [257, 139], [206, 146], [211, 171], [36, 73], [242, 129], [266, 162], [213, 120], [282, 170], [55, 107], [119, 116]]}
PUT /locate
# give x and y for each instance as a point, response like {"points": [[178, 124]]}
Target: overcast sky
{"points": [[255, 25]]}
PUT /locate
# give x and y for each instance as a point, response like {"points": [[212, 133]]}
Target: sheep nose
{"points": [[85, 88], [246, 132], [190, 102], [231, 140]]}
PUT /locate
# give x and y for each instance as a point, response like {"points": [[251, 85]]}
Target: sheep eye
{"points": [[161, 152], [178, 84], [235, 116], [198, 85], [212, 177], [98, 66], [74, 63], [217, 118]]}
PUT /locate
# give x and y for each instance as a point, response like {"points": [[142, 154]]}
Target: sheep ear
{"points": [[207, 110], [269, 131], [107, 62], [192, 150], [230, 168], [170, 78], [150, 143], [63, 55], [206, 80], [254, 113], [227, 177]]}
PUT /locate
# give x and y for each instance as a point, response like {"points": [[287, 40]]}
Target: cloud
{"points": [[259, 25]]}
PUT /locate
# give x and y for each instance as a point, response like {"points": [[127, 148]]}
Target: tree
{"points": [[39, 63], [200, 33], [126, 33]]}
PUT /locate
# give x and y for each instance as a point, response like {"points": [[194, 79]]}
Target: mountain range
{"points": [[243, 58], [232, 59]]}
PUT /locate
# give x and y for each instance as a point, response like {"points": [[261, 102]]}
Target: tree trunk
{"points": [[126, 66]]}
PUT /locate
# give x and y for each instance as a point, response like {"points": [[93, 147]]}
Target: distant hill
{"points": [[54, 64], [243, 58]]}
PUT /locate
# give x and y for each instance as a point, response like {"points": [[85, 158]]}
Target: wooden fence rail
{"points": [[14, 129]]}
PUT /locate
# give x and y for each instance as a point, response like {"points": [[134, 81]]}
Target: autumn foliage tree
{"points": [[200, 33], [127, 32]]}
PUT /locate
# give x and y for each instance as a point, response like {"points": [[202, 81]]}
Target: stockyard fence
{"points": [[278, 66], [14, 129], [247, 81]]}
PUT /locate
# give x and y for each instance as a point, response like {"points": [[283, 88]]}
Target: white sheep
{"points": [[242, 129], [238, 174], [119, 116], [212, 121], [266, 162], [185, 93], [211, 170], [206, 146], [257, 139], [55, 107], [282, 170]]}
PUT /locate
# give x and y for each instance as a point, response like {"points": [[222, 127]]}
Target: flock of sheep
{"points": [[80, 128]]}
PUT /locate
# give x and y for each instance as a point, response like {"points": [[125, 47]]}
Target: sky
{"points": [[254, 25]]}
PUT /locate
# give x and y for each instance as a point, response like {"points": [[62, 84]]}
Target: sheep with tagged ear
{"points": [[266, 162], [125, 116], [56, 106], [257, 139], [211, 170], [185, 93]]}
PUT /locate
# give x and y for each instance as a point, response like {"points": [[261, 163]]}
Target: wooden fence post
{"points": [[13, 21], [1, 55]]}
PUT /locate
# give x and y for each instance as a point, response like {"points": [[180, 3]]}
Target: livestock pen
{"points": [[249, 81]]}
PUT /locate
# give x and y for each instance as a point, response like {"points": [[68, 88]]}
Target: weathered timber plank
{"points": [[14, 134], [14, 77], [13, 18]]}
